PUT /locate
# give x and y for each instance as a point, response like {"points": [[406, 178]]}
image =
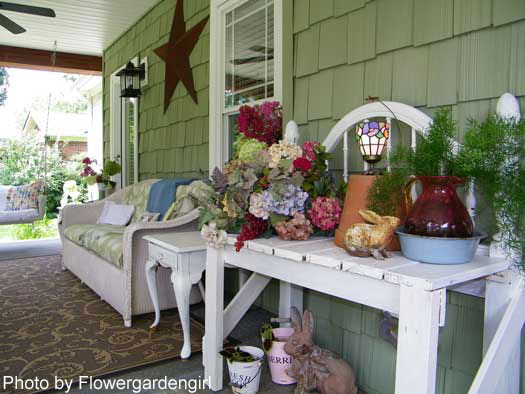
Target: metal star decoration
{"points": [[176, 54]]}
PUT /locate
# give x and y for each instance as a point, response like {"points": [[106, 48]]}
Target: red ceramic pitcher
{"points": [[438, 211]]}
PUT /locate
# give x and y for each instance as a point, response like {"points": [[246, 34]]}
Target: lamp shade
{"points": [[372, 138]]}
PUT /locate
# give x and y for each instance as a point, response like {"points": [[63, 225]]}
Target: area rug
{"points": [[53, 325]]}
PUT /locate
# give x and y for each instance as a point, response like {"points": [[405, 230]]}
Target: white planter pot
{"points": [[245, 377]]}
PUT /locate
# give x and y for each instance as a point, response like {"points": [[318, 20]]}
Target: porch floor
{"points": [[246, 332], [11, 250]]}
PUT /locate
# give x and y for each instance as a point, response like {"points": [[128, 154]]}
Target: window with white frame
{"points": [[245, 65], [124, 132]]}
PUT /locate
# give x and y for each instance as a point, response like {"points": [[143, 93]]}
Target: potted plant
{"points": [[244, 367], [438, 227], [492, 154], [274, 340], [101, 183]]}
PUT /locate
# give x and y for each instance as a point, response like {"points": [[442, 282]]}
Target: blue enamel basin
{"points": [[435, 250]]}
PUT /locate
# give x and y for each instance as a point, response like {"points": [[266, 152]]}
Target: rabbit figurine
{"points": [[313, 367], [364, 239]]}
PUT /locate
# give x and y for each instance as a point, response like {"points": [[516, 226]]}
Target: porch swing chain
{"points": [[53, 62]]}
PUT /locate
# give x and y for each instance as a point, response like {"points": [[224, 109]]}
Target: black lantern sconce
{"points": [[130, 78]]}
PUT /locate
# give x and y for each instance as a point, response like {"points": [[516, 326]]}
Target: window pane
{"points": [[249, 54], [232, 130]]}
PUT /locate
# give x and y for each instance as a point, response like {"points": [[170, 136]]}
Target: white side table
{"points": [[185, 255]]}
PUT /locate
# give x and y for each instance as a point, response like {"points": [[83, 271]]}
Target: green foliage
{"points": [[386, 193], [433, 156], [434, 153], [4, 83], [45, 228], [493, 154], [22, 162], [237, 355]]}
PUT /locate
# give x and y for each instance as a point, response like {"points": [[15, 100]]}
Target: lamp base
{"points": [[372, 159]]}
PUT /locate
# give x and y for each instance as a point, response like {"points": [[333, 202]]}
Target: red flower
{"points": [[302, 164], [87, 161]]}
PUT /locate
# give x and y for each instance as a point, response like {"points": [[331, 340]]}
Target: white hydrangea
{"points": [[283, 150], [257, 206], [213, 237]]}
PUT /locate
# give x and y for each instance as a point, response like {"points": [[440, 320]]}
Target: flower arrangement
{"points": [[271, 186], [109, 169]]}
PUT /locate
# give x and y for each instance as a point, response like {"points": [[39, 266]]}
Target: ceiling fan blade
{"points": [[13, 27], [246, 60], [27, 9]]}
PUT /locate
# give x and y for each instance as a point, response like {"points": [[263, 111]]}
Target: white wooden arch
{"points": [[418, 120]]}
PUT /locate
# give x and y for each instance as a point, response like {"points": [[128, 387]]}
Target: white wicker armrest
{"points": [[133, 228], [131, 235]]}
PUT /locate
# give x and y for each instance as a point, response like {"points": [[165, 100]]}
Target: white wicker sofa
{"points": [[120, 281]]}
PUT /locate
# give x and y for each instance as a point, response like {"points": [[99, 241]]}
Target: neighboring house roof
{"points": [[61, 125]]}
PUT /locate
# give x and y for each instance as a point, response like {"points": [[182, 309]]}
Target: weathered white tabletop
{"points": [[414, 291]]}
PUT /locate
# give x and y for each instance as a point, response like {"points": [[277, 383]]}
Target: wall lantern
{"points": [[372, 137], [130, 77]]}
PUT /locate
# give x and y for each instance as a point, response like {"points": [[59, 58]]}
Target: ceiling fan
{"points": [[14, 27], [255, 59]]}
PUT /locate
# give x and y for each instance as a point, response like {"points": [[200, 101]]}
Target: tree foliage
{"points": [[22, 162]]}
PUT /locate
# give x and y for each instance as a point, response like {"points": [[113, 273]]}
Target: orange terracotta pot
{"points": [[357, 198]]}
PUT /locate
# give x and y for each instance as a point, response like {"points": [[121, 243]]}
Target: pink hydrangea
{"points": [[325, 213], [309, 150]]}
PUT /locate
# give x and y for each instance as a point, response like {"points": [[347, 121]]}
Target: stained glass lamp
{"points": [[372, 138]]}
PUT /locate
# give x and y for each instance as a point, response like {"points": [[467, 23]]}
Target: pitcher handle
{"points": [[407, 194]]}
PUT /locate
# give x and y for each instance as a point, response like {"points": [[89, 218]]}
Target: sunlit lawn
{"points": [[39, 230]]}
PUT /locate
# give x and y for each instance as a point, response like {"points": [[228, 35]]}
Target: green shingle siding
{"points": [[470, 15], [320, 95], [484, 63], [442, 73], [301, 11], [342, 7], [394, 24], [362, 34], [320, 10], [348, 91], [171, 143], [378, 77], [332, 42], [506, 11], [409, 79], [433, 20], [453, 59]]}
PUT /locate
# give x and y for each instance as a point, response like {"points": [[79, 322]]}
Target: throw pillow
{"points": [[24, 197], [116, 214], [148, 217]]}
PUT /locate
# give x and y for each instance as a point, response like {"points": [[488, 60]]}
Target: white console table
{"points": [[185, 255], [416, 292]]}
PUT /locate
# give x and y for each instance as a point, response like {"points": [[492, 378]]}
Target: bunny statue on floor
{"points": [[313, 367]]}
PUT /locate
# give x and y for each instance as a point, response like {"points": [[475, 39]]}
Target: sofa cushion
{"points": [[137, 195], [104, 240]]}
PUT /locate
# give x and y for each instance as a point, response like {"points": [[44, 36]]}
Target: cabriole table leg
{"points": [[151, 279]]}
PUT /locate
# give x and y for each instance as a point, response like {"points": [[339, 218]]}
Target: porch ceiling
{"points": [[80, 26]]}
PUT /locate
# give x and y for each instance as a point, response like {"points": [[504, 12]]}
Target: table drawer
{"points": [[162, 255]]}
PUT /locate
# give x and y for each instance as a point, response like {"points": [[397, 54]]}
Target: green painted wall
{"points": [[174, 143], [427, 53]]}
